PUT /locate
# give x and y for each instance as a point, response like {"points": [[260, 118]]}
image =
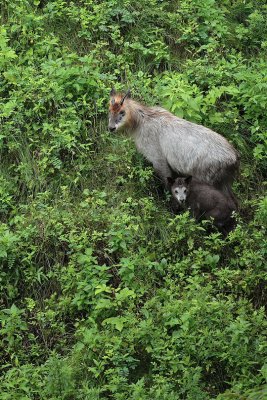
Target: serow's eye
{"points": [[176, 191], [122, 113]]}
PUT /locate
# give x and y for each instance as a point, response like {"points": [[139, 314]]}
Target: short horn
{"points": [[128, 94]]}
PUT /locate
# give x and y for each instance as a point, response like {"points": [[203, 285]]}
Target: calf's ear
{"points": [[170, 180], [188, 179], [112, 92]]}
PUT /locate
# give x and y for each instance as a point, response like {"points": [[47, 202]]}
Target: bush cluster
{"points": [[104, 293]]}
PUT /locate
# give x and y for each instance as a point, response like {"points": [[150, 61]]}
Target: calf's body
{"points": [[204, 201]]}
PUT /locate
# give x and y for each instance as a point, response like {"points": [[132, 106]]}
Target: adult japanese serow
{"points": [[174, 144]]}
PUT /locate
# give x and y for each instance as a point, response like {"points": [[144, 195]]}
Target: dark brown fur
{"points": [[205, 202]]}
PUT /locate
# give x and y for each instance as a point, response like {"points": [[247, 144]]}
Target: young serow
{"points": [[204, 201], [171, 143]]}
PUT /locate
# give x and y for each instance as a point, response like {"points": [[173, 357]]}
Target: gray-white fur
{"points": [[174, 144]]}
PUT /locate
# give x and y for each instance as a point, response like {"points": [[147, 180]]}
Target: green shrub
{"points": [[105, 293]]}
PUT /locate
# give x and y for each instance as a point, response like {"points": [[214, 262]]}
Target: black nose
{"points": [[111, 129]]}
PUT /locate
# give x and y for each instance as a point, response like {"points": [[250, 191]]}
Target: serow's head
{"points": [[118, 113], [180, 188]]}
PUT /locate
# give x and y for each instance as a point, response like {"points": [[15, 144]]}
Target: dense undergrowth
{"points": [[105, 294]]}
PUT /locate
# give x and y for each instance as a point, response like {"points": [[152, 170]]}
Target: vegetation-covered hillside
{"points": [[105, 293]]}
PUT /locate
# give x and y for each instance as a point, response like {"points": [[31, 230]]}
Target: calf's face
{"points": [[180, 189]]}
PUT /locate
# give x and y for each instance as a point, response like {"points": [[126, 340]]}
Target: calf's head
{"points": [[117, 110], [180, 188]]}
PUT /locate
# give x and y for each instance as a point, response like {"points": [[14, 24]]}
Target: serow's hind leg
{"points": [[227, 190]]}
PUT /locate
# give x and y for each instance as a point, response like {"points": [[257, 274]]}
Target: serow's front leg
{"points": [[164, 171]]}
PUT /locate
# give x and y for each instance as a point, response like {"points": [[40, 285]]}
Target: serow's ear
{"points": [[170, 180], [112, 92], [127, 95], [188, 179]]}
